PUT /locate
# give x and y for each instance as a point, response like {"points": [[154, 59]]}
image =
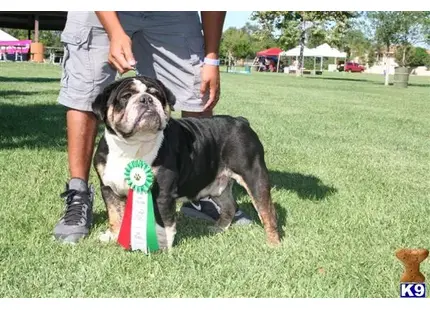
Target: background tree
{"points": [[295, 25], [236, 42], [246, 41], [356, 44], [402, 28], [260, 37], [384, 28], [413, 28], [412, 57]]}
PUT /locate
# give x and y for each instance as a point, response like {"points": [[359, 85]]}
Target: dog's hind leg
{"points": [[256, 182], [115, 207], [227, 205]]}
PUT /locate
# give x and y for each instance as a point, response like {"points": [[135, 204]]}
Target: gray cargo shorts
{"points": [[168, 46]]}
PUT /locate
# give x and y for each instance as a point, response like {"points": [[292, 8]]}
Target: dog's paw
{"points": [[108, 236]]}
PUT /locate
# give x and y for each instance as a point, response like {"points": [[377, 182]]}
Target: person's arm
{"points": [[120, 53], [110, 21], [212, 22]]}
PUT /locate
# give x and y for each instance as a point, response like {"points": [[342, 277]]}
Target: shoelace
{"points": [[74, 206]]}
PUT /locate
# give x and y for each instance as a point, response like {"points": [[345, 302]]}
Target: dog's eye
{"points": [[124, 98]]}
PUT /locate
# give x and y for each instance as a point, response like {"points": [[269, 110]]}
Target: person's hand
{"points": [[120, 53], [210, 83]]}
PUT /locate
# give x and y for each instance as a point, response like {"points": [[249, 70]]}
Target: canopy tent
{"points": [[4, 36], [9, 45], [295, 52], [41, 20], [273, 51], [325, 50], [339, 54]]}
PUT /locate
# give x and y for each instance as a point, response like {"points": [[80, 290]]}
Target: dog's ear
{"points": [[170, 98], [100, 104]]}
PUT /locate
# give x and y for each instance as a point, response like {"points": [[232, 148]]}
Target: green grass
{"points": [[349, 163]]}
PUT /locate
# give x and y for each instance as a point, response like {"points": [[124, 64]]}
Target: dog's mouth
{"points": [[139, 118], [153, 119]]}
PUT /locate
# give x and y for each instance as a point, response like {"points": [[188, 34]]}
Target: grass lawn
{"points": [[349, 162]]}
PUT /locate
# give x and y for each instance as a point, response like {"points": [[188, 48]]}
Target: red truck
{"points": [[353, 67]]}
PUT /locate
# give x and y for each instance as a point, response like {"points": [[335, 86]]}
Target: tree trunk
{"points": [[302, 48], [404, 57]]}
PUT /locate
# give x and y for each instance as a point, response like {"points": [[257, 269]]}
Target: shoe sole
{"points": [[193, 213], [70, 239]]}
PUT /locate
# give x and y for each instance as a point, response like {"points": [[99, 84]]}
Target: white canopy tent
{"points": [[295, 52], [324, 50], [4, 36]]}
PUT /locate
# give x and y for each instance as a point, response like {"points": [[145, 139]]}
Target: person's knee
{"points": [[81, 118]]}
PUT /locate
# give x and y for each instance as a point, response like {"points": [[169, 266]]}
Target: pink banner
{"points": [[11, 47]]}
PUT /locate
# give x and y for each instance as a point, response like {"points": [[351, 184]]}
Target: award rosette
{"points": [[138, 230]]}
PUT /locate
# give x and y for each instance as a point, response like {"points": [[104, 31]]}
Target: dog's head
{"points": [[134, 105]]}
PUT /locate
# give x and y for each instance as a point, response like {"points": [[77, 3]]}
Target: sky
{"points": [[236, 19]]}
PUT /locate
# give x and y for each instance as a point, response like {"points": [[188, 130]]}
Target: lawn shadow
{"points": [[100, 217], [419, 85], [339, 79], [347, 80], [32, 126], [307, 187], [365, 81], [28, 79], [11, 93], [191, 228]]}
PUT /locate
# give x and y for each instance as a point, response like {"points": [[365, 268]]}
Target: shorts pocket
{"points": [[76, 34], [78, 70], [196, 50]]}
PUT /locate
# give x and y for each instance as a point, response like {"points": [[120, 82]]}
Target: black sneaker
{"points": [[77, 219], [207, 209]]}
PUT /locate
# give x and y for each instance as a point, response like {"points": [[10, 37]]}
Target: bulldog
{"points": [[191, 158]]}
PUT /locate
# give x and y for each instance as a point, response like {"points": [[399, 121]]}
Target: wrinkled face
{"points": [[134, 105]]}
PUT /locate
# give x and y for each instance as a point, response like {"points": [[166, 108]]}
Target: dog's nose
{"points": [[146, 99]]}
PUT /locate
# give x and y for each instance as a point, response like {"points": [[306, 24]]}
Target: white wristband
{"points": [[212, 62]]}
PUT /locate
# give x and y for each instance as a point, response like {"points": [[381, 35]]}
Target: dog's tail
{"points": [[245, 120]]}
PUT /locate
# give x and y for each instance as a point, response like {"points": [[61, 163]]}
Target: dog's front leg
{"points": [[115, 206]]}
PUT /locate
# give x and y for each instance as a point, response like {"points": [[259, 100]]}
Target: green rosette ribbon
{"points": [[139, 177]]}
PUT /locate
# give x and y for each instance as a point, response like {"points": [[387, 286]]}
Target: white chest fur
{"points": [[121, 152]]}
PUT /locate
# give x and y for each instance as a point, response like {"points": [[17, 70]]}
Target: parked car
{"points": [[353, 67]]}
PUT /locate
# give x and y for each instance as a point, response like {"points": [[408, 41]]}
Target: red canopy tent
{"points": [[273, 51]]}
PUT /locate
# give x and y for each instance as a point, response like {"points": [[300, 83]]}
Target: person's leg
{"points": [[81, 133], [170, 46], [85, 73]]}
